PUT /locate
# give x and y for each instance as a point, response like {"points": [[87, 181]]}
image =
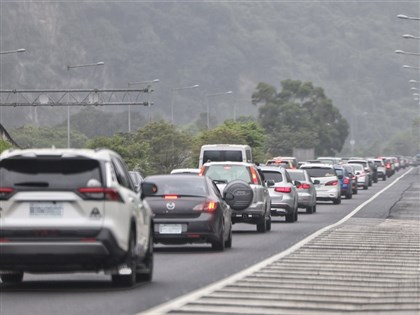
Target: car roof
{"points": [[99, 154], [185, 171], [229, 163], [316, 165], [178, 177], [273, 168]]}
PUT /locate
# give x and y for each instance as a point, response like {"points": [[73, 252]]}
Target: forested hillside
{"points": [[345, 47]]}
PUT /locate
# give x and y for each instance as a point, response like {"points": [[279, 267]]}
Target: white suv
{"points": [[327, 184], [69, 210]]}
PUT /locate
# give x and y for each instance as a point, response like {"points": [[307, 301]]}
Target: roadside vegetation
{"points": [[299, 115]]}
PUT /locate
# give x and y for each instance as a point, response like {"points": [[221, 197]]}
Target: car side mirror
{"points": [[316, 182], [270, 182], [340, 176], [148, 189], [297, 183]]}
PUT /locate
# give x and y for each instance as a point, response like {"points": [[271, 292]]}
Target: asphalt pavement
{"points": [[364, 264]]}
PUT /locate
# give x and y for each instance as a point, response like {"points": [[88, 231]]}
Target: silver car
{"points": [[327, 186], [362, 176], [283, 193], [258, 212], [306, 190]]}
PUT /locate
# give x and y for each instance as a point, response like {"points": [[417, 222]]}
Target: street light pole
{"points": [[149, 82], [208, 104], [173, 90], [410, 67], [12, 51], [405, 17], [409, 36], [100, 63], [402, 52]]}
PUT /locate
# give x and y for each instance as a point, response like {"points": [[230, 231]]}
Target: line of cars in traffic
{"points": [[264, 192], [71, 210]]}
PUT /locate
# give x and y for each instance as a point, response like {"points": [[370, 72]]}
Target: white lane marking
{"points": [[189, 297]]}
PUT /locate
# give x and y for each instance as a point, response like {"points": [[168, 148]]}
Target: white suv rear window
{"points": [[48, 173]]}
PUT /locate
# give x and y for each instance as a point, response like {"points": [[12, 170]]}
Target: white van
{"points": [[225, 152]]}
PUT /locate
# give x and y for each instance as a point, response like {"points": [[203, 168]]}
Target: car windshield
{"points": [[49, 173], [228, 172], [320, 172]]}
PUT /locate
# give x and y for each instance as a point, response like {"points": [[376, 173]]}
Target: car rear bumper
{"points": [[47, 254], [193, 231], [329, 194]]}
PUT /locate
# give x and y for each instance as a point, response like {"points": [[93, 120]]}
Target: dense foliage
{"points": [[300, 116], [4, 145], [347, 47]]}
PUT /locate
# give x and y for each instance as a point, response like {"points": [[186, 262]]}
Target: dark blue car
{"points": [[345, 181]]}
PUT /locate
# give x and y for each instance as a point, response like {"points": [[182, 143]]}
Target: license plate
{"points": [[170, 228], [46, 209]]}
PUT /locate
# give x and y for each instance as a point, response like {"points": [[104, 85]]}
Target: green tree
{"points": [[169, 147], [43, 137], [4, 145], [245, 131], [300, 116], [135, 154]]}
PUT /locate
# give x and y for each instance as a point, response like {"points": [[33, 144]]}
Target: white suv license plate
{"points": [[46, 210], [170, 228]]}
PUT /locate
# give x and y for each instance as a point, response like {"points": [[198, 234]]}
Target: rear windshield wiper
{"points": [[220, 181], [33, 184]]}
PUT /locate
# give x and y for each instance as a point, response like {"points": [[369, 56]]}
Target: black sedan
{"points": [[188, 209]]}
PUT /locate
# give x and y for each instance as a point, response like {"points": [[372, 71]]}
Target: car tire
{"points": [[228, 242], [12, 278], [310, 209], [219, 245], [370, 182], [355, 191], [128, 280], [365, 187], [314, 208], [296, 214], [262, 226], [384, 178], [290, 217], [268, 223], [146, 274], [349, 194], [337, 201]]}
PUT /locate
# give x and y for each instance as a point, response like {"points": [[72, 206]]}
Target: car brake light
{"points": [[5, 192], [202, 171], [332, 183], [171, 196], [304, 186], [209, 206], [101, 193], [254, 176], [346, 180], [388, 165], [283, 189]]}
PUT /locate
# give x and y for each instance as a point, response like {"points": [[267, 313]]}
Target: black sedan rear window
{"points": [[178, 185]]}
